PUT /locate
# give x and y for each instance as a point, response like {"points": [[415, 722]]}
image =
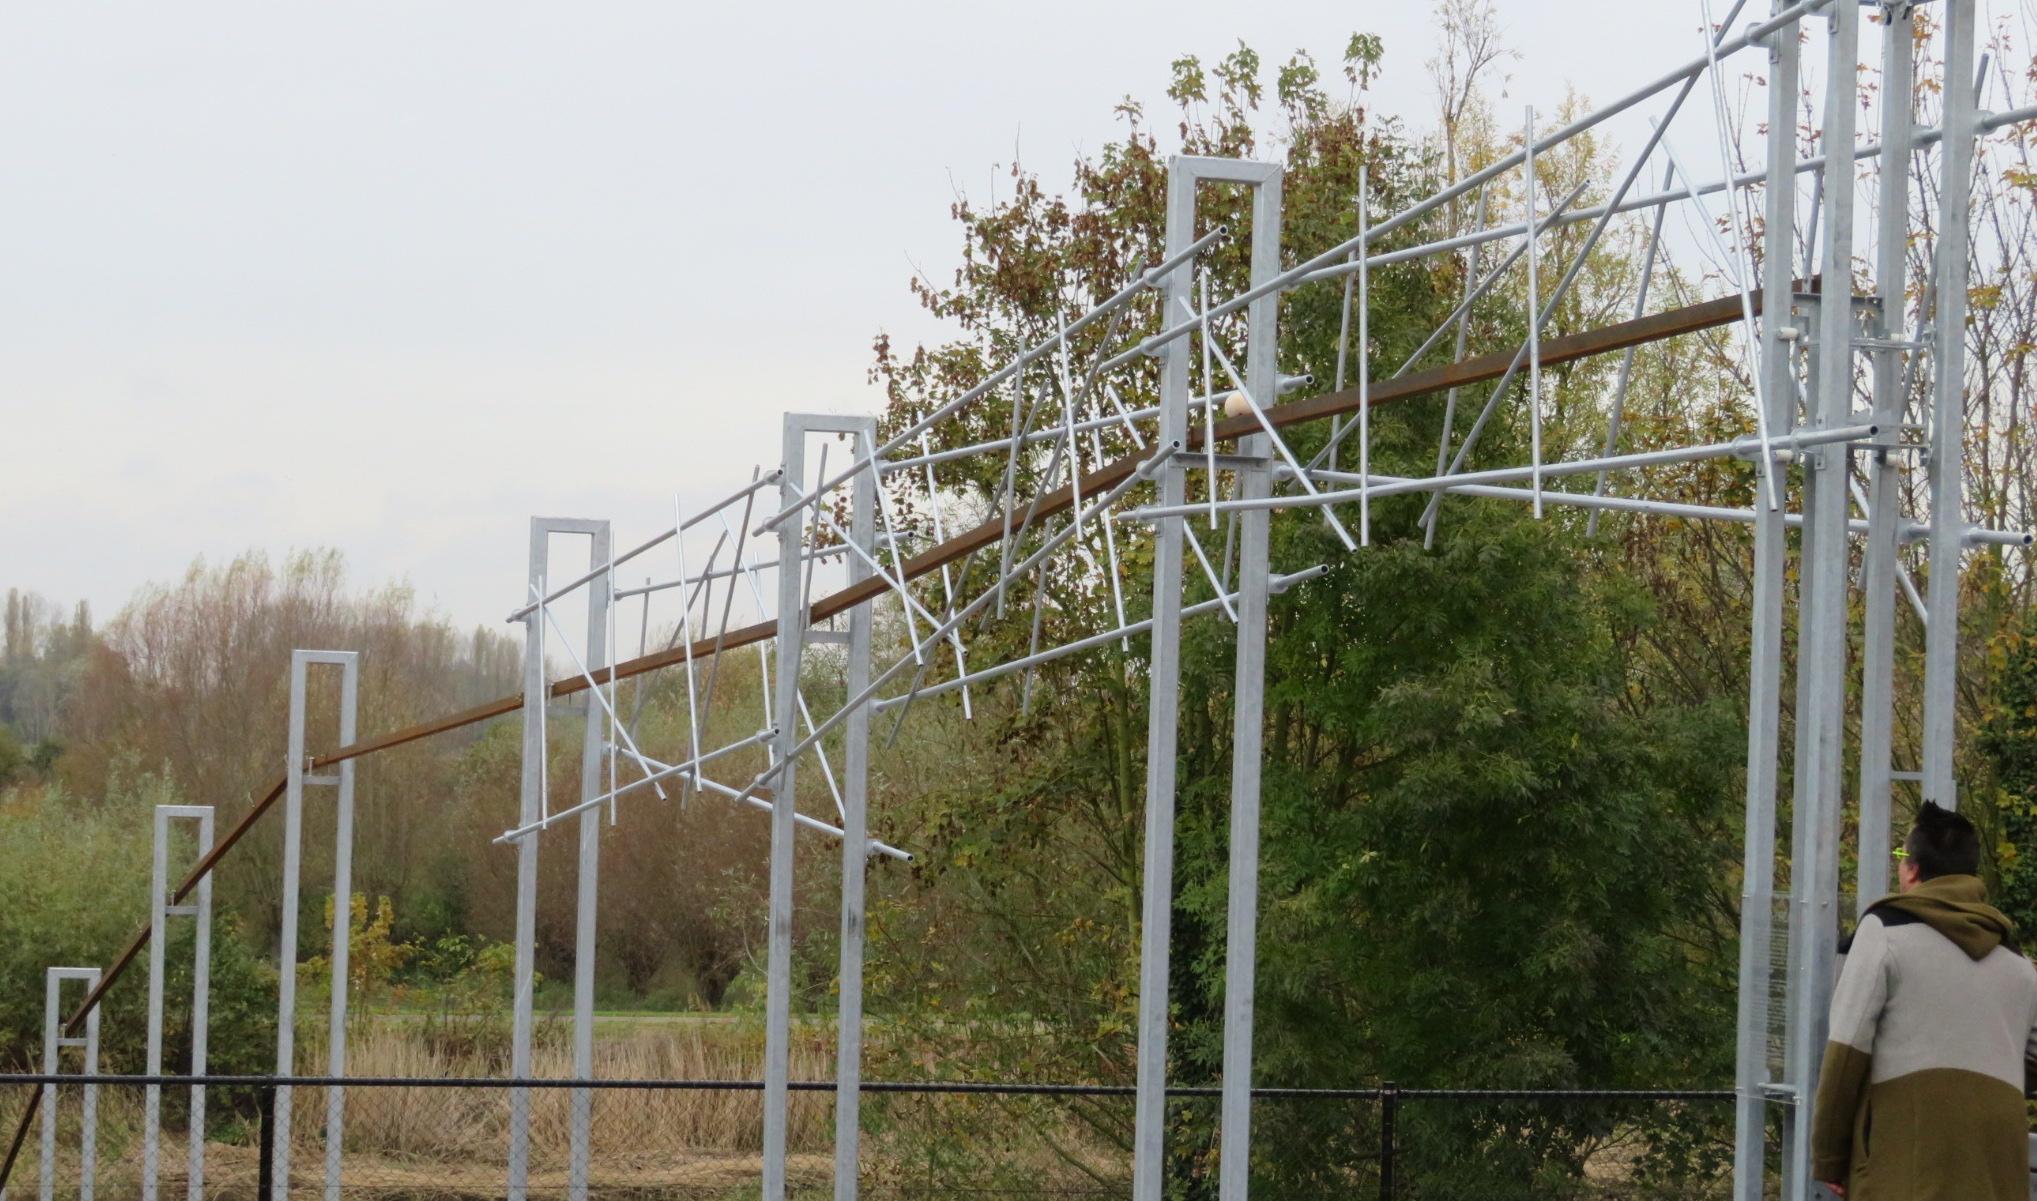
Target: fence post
{"points": [[266, 1173], [1389, 1108]]}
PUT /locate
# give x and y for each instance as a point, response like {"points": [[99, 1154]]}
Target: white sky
{"points": [[391, 277]]}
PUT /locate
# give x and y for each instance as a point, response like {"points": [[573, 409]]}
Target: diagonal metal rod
{"points": [[1741, 447], [651, 778], [1746, 179], [598, 570], [1049, 546], [947, 579], [1604, 222], [1459, 319], [755, 801], [593, 688], [729, 600], [686, 635], [827, 770], [1619, 407], [1280, 444], [1755, 34], [1145, 279], [1463, 321], [1277, 585]]}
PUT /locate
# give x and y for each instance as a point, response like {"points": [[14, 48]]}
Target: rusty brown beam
{"points": [[1482, 369]]}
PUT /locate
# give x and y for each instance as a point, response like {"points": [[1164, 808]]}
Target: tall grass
{"points": [[440, 1123], [411, 1142]]}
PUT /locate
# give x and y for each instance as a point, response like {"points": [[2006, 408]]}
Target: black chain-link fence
{"points": [[431, 1139]]}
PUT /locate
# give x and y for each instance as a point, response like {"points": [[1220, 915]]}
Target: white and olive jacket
{"points": [[1933, 1040]]}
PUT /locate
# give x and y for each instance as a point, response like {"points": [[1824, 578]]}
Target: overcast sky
{"points": [[391, 277]]}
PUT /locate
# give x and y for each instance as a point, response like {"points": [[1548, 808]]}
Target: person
{"points": [[1934, 1038]]}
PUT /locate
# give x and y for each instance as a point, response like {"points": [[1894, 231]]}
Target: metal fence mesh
{"points": [[431, 1140]]}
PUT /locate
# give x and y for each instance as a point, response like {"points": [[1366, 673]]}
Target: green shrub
{"points": [[74, 892]]}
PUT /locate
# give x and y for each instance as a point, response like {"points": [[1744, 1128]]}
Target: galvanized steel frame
{"points": [[1818, 443]]}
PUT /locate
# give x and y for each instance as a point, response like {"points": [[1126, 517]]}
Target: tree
{"points": [[1477, 857], [2010, 742], [1470, 46]]}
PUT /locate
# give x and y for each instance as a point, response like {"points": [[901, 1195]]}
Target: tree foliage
{"points": [[1477, 865]]}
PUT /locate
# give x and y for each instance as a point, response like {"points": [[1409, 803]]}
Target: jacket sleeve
{"points": [[2030, 1058], [1849, 1057]]}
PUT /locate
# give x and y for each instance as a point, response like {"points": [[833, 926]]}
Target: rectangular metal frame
{"points": [[160, 911], [531, 803], [53, 1042], [297, 776]]}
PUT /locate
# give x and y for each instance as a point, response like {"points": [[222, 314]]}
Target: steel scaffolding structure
{"points": [[1806, 342]]}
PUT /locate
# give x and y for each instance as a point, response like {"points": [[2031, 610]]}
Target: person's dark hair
{"points": [[1943, 843]]}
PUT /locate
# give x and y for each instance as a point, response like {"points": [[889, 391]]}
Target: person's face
{"points": [[1907, 876]]}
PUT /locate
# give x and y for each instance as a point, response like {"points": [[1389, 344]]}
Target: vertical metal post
{"points": [[1764, 699], [1255, 482], [342, 928], [1948, 408], [536, 695], [530, 802], [1802, 825], [1822, 614], [201, 1007], [855, 834], [1163, 700], [265, 1127], [588, 873], [159, 933], [1884, 485], [778, 959], [286, 952], [88, 1118], [1389, 1113], [53, 1041], [160, 911], [297, 775]]}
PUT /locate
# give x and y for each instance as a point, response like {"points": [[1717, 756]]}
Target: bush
{"points": [[73, 892]]}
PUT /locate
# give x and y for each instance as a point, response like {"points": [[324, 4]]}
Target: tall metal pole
{"points": [[160, 911], [532, 805], [588, 874], [1948, 409], [286, 954], [778, 957], [855, 835], [342, 928], [1255, 481], [1821, 668], [159, 932], [1884, 483], [1764, 699], [1163, 701], [297, 775], [53, 1041], [201, 1007]]}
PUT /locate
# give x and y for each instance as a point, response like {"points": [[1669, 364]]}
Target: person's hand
{"points": [[1838, 1187]]}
